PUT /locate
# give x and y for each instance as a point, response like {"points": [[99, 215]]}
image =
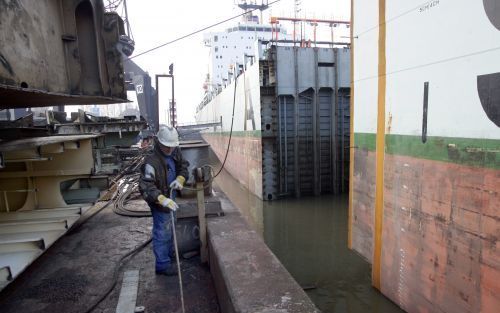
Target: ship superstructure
{"points": [[233, 46]]}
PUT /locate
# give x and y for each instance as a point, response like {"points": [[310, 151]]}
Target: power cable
{"points": [[131, 184], [230, 132], [197, 31], [121, 262]]}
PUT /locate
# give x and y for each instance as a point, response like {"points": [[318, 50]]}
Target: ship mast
{"points": [[248, 7]]}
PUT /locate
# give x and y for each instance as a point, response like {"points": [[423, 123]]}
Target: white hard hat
{"points": [[168, 136]]}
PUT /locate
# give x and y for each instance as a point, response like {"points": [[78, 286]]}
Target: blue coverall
{"points": [[163, 247]]}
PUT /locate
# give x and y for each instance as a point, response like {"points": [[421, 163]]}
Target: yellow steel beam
{"points": [[380, 149]]}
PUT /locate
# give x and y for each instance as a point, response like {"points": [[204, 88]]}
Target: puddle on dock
{"points": [[309, 236]]}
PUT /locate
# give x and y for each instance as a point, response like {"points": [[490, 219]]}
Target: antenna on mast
{"points": [[248, 6]]}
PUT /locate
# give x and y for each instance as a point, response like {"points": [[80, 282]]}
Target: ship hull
{"points": [[289, 133], [425, 190]]}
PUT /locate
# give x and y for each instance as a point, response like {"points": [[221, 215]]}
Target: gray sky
{"points": [[155, 22]]}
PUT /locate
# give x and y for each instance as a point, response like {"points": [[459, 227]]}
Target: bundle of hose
{"points": [[127, 191]]}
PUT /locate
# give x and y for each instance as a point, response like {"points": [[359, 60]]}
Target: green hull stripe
{"points": [[466, 151]]}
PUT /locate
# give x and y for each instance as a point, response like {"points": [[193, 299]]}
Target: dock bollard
{"points": [[200, 195]]}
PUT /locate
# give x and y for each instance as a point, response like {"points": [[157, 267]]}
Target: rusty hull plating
{"points": [[58, 52]]}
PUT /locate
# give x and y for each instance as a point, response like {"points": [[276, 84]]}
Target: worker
{"points": [[163, 172]]}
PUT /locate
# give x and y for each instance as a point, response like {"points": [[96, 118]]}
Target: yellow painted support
{"points": [[351, 139], [200, 195], [379, 189]]}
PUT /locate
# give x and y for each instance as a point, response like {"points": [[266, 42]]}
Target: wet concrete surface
{"points": [[79, 267], [309, 237]]}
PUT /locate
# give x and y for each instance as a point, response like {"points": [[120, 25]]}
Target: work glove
{"points": [[167, 203], [178, 183]]}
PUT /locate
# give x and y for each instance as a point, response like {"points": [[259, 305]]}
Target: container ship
{"points": [[283, 104]]}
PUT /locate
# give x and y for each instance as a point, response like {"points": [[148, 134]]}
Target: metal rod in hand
{"points": [[177, 258]]}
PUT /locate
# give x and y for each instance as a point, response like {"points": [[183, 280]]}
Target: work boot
{"points": [[171, 270]]}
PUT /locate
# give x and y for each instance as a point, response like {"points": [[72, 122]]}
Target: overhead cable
{"points": [[197, 31]]}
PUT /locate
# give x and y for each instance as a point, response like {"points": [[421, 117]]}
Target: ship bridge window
{"points": [[251, 29], [216, 38], [259, 29], [235, 29], [268, 29], [242, 28]]}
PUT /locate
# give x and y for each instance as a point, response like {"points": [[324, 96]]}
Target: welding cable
{"points": [[230, 132], [131, 168], [125, 192], [121, 262], [128, 190], [83, 219]]}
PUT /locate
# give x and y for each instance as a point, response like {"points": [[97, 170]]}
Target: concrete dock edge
{"points": [[248, 277]]}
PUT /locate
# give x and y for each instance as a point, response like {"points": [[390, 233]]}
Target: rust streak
{"points": [[351, 139]]}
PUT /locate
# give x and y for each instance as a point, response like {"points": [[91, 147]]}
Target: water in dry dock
{"points": [[309, 236]]}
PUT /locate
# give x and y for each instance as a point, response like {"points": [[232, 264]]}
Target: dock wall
{"points": [[244, 160], [247, 275], [425, 193]]}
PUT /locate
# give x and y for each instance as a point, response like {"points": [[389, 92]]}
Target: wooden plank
{"points": [[128, 293], [202, 221]]}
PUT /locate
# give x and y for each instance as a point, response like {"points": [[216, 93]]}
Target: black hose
{"points": [[231, 131], [116, 273], [126, 187]]}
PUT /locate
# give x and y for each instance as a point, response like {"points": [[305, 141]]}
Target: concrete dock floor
{"points": [[79, 267]]}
